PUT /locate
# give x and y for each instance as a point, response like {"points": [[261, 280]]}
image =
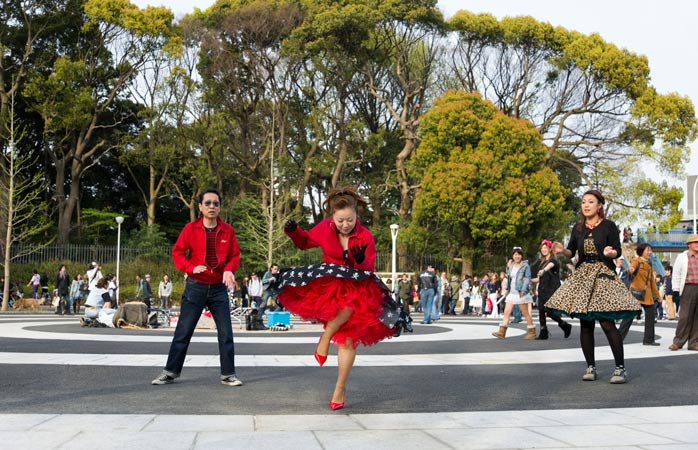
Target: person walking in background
{"points": [[518, 293], [428, 285], [139, 288], [685, 281], [594, 292], [35, 283], [44, 288], [165, 292], [77, 287], [404, 293], [622, 271], [455, 295], [669, 294], [147, 290], [63, 287], [643, 283], [342, 293], [548, 280], [208, 253]]}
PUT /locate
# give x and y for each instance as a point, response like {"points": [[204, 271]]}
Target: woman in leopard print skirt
{"points": [[594, 292]]}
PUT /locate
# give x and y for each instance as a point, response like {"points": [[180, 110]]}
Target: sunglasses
{"points": [[211, 203], [516, 248]]}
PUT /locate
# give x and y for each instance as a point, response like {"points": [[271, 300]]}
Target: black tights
{"points": [[545, 311], [615, 341]]}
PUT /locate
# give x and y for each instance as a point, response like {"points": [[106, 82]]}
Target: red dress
{"points": [[320, 298]]}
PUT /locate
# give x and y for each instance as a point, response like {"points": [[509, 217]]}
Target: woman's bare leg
{"points": [[527, 314], [323, 346], [508, 307], [345, 361]]}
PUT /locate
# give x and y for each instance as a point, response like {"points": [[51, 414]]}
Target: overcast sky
{"points": [[666, 31]]}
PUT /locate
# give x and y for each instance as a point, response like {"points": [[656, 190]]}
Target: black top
{"points": [[550, 280], [605, 234]]}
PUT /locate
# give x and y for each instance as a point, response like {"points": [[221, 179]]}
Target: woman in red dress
{"points": [[342, 293]]}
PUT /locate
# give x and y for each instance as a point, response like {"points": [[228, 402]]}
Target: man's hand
{"points": [[290, 225], [229, 279], [359, 252]]}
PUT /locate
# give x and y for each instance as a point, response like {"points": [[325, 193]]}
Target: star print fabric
{"points": [[317, 291]]}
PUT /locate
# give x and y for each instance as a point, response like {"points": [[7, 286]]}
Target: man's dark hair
{"points": [[210, 191]]}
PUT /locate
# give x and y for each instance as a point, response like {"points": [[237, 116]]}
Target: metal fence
{"points": [[78, 253], [31, 253]]}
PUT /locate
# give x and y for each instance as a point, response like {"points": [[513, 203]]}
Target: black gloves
{"points": [[359, 252], [290, 225]]}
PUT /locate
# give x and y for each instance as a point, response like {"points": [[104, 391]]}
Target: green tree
{"points": [[24, 212], [591, 101], [79, 100], [483, 175]]}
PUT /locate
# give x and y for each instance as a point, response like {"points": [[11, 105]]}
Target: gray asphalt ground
{"points": [[303, 391]]}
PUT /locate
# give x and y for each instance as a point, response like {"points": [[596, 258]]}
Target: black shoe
{"points": [[566, 328], [543, 335], [653, 344]]}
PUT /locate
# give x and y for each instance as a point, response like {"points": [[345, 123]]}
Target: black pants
{"points": [[648, 337]]}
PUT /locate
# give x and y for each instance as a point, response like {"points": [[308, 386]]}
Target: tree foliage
{"points": [[276, 101], [483, 174]]}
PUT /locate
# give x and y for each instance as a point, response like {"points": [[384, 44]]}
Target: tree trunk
{"points": [[403, 179]]}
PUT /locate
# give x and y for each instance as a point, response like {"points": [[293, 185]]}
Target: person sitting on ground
{"points": [[95, 302]]}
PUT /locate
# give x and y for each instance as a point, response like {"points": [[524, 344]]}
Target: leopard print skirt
{"points": [[594, 292]]}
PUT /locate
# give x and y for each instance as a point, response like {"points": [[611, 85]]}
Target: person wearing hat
{"points": [[685, 280]]}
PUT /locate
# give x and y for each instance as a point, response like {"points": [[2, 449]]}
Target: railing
{"points": [[30, 253], [672, 238]]}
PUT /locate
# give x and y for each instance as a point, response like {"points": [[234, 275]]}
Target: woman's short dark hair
{"points": [[517, 250], [210, 191], [641, 248]]}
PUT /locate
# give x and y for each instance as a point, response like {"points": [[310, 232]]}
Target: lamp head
{"points": [[394, 226], [119, 219]]}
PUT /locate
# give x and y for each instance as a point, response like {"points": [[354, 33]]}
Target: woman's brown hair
{"points": [[340, 198]]}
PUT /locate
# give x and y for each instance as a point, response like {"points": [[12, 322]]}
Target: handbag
{"points": [[639, 294]]}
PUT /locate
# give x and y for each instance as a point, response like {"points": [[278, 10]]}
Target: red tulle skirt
{"points": [[320, 299]]}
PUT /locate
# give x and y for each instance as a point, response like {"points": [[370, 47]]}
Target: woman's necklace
{"points": [[592, 226]]}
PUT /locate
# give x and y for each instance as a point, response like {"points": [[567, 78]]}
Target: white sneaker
{"points": [[163, 379], [231, 380]]}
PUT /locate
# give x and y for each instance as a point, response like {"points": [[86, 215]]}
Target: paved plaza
{"points": [[449, 385]]}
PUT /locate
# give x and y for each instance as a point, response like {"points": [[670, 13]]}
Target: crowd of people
{"points": [[355, 307]]}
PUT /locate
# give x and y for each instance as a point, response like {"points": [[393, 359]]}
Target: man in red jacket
{"points": [[208, 252]]}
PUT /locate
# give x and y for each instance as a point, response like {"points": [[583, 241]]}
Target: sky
{"points": [[666, 31]]}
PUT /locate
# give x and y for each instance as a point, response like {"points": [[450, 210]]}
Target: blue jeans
{"points": [[197, 295], [437, 307], [426, 298], [517, 313]]}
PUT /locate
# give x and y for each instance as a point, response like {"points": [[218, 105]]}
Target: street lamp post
{"points": [[695, 182], [393, 233], [119, 221]]}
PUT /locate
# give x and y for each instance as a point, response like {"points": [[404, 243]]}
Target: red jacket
{"points": [[324, 235], [190, 251]]}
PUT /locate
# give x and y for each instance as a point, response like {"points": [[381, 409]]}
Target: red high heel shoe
{"points": [[320, 358], [335, 406]]}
